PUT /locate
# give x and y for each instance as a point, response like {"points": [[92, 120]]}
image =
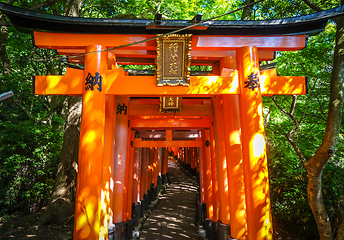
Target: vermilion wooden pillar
{"points": [[107, 174], [150, 167], [201, 175], [137, 174], [91, 150], [214, 176], [221, 164], [130, 173], [120, 161], [159, 168], [182, 154], [165, 161], [155, 166], [208, 173], [253, 146], [186, 155], [192, 157], [235, 168], [144, 173]]}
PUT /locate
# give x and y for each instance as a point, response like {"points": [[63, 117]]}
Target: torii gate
{"points": [[228, 110]]}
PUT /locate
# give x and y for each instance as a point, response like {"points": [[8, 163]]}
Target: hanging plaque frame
{"points": [[173, 60]]}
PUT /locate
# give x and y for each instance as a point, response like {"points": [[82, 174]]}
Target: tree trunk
{"points": [[316, 202], [316, 164], [340, 232], [63, 195]]}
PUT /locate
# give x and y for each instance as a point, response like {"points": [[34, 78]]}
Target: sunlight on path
{"points": [[174, 215]]}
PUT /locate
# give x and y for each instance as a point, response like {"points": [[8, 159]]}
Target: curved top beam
{"points": [[28, 21]]}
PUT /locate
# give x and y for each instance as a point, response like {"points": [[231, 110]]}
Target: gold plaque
{"points": [[170, 104], [173, 60]]}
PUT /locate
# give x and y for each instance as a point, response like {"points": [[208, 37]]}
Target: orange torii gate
{"points": [[116, 167]]}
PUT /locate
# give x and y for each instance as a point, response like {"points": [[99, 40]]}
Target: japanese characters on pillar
{"points": [[259, 223], [120, 166], [173, 60], [87, 223]]}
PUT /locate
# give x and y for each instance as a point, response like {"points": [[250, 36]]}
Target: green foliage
{"points": [[29, 154], [31, 129], [288, 177]]}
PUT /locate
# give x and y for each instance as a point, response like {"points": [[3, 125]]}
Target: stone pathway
{"points": [[174, 215]]}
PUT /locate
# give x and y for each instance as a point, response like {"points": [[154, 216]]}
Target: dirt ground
{"points": [[33, 232], [65, 232]]}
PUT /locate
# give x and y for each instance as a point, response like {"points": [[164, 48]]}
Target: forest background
{"points": [[39, 135]]}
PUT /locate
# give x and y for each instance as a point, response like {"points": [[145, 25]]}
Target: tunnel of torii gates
{"points": [[212, 121]]}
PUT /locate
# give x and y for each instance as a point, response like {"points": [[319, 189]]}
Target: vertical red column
{"points": [[91, 147], [159, 168], [186, 155], [164, 165], [149, 168], [201, 175], [259, 224], [235, 167], [130, 173], [194, 158], [144, 173], [221, 163], [137, 173], [214, 176], [120, 159], [208, 173], [107, 172], [164, 161], [155, 166]]}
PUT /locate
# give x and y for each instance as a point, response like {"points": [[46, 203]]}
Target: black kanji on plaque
{"points": [[131, 143], [253, 81], [92, 81], [207, 143], [137, 134], [121, 108]]}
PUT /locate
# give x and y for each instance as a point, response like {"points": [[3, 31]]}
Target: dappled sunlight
{"points": [[228, 84], [87, 203], [174, 215], [70, 84], [271, 84], [258, 145]]}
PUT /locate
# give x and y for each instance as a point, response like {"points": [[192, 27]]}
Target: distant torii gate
{"points": [[232, 142]]}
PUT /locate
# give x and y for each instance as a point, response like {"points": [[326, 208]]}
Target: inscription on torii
{"points": [[173, 60]]}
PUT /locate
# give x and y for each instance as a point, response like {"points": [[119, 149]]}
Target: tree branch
{"points": [[297, 150], [312, 6], [25, 110], [43, 104], [280, 108], [292, 131], [43, 4], [6, 24]]}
